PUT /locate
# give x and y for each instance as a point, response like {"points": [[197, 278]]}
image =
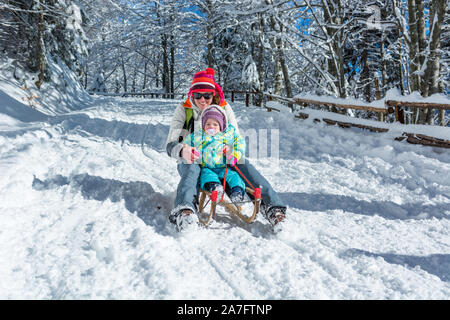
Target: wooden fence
{"points": [[151, 95], [391, 106]]}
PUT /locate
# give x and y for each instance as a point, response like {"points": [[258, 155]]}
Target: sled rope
{"points": [[225, 180], [242, 175], [232, 207], [224, 183]]}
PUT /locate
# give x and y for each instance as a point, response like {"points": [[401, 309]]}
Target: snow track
{"points": [[84, 199]]}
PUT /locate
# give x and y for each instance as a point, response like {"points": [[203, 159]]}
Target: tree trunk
{"points": [[261, 59], [40, 48], [172, 65], [400, 55], [210, 36], [421, 37], [133, 82], [420, 14], [209, 55], [86, 71], [278, 77], [414, 53], [157, 67], [432, 73], [144, 80], [284, 67], [165, 69], [124, 76], [335, 62], [413, 46], [365, 76], [441, 113]]}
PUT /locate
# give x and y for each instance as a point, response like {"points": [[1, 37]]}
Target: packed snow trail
{"points": [[85, 196]]}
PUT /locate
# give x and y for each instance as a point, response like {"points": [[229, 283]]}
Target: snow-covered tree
{"points": [[98, 85], [250, 76], [33, 32]]}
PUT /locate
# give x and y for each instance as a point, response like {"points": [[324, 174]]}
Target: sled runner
{"points": [[232, 207]]}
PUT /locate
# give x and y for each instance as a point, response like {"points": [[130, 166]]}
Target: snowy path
{"points": [[368, 216]]}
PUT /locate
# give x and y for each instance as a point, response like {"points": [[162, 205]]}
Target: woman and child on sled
{"points": [[204, 137]]}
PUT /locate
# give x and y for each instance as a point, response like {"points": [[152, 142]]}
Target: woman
{"points": [[203, 92]]}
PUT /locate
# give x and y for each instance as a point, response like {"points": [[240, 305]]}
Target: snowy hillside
{"points": [[85, 195]]}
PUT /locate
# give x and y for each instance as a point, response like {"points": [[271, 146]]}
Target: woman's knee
{"points": [[186, 170]]}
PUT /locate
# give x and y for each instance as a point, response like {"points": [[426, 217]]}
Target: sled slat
{"points": [[231, 207]]}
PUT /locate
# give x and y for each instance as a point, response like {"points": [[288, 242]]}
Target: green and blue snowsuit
{"points": [[213, 160]]}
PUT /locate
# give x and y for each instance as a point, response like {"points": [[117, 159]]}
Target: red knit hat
{"points": [[204, 82]]}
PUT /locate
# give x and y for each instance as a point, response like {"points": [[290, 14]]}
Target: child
{"points": [[217, 142]]}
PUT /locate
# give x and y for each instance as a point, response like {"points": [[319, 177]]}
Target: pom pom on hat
{"points": [[203, 82]]}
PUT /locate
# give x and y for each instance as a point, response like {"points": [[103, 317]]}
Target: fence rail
{"points": [[327, 104], [391, 106], [152, 95], [423, 105]]}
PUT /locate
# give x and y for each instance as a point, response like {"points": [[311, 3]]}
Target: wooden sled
{"points": [[229, 206]]}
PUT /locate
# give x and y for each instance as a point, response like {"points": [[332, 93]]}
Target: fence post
{"points": [[378, 97], [247, 96], [232, 96], [399, 114]]}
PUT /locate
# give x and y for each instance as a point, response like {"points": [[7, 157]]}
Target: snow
{"points": [[63, 93], [391, 94], [85, 195]]}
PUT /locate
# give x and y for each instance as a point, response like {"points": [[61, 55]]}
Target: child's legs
{"points": [[233, 179], [208, 175]]}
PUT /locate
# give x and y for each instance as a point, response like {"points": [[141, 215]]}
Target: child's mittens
{"points": [[195, 152], [233, 160], [232, 157]]}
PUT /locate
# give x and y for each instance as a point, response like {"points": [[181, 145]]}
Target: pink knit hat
{"points": [[204, 82]]}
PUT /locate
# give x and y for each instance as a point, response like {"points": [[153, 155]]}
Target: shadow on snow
{"points": [[151, 206], [385, 209], [437, 264], [151, 135]]}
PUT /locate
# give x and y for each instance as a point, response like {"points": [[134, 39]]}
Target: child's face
{"points": [[212, 126]]}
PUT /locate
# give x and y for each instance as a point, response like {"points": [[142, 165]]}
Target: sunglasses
{"points": [[198, 95]]}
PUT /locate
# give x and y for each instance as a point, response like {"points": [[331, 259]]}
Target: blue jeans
{"points": [[188, 187], [189, 184], [269, 196]]}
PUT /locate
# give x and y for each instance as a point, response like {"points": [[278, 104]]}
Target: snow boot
{"points": [[182, 218], [276, 216], [237, 195], [214, 186]]}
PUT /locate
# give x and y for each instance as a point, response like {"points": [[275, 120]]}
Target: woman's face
{"points": [[203, 99]]}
